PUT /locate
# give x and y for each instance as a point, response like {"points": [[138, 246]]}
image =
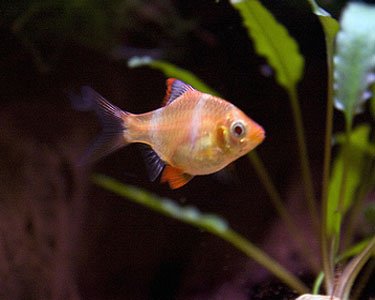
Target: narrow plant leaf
{"points": [[318, 283], [330, 28], [171, 70], [354, 250], [209, 222], [354, 60], [329, 24], [359, 137], [164, 206], [272, 40], [316, 297], [352, 270]]}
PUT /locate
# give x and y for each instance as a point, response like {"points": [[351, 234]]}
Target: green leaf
{"points": [[372, 104], [316, 297], [164, 206], [357, 144], [171, 70], [354, 60], [272, 41], [357, 161], [354, 250], [209, 222], [329, 24], [330, 27]]}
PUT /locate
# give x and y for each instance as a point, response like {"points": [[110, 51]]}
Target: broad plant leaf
{"points": [[171, 70], [354, 60], [359, 140], [272, 40]]}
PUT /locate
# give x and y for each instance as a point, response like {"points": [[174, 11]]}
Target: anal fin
{"points": [[175, 177], [154, 163]]}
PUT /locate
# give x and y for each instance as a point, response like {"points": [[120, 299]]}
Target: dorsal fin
{"points": [[175, 88]]}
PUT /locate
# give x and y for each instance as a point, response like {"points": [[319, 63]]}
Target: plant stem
{"points": [[360, 284], [353, 216], [207, 222], [333, 244], [260, 257], [356, 209], [280, 208], [327, 264], [344, 178], [304, 159], [317, 283], [352, 270]]}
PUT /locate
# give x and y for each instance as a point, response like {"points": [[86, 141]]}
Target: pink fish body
{"points": [[193, 134]]}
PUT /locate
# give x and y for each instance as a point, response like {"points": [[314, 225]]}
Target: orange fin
{"points": [[175, 88], [175, 177]]}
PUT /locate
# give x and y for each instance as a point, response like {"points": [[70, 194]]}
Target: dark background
{"points": [[62, 237]]}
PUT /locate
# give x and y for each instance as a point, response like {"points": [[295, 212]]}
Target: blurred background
{"points": [[63, 238]]}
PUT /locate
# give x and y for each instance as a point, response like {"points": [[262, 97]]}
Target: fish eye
{"points": [[238, 129]]}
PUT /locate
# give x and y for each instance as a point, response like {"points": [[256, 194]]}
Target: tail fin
{"points": [[111, 118]]}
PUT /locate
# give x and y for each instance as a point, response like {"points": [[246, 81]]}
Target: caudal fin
{"points": [[112, 119]]}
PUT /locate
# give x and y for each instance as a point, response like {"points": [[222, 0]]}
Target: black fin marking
{"points": [[175, 88], [113, 124], [154, 163]]}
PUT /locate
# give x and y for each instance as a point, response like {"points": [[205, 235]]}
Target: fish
{"points": [[192, 133]]}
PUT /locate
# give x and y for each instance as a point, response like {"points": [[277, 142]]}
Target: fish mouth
{"points": [[255, 138], [258, 135]]}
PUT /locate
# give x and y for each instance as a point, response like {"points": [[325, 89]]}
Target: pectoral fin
{"points": [[175, 177]]}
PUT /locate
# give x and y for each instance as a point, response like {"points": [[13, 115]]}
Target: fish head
{"points": [[238, 134]]}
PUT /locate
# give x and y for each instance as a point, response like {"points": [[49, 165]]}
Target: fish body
{"points": [[192, 134]]}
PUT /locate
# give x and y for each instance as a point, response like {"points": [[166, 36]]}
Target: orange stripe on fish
{"points": [[192, 134]]}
